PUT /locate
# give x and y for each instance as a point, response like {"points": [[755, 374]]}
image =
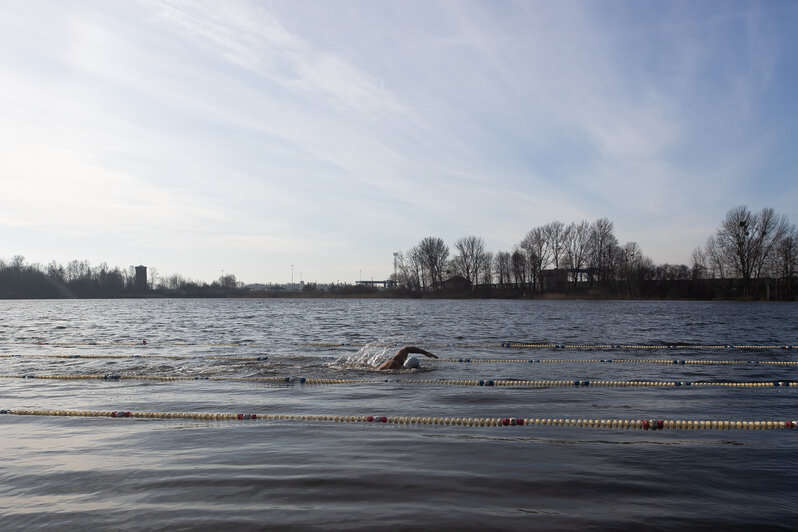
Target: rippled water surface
{"points": [[90, 473]]}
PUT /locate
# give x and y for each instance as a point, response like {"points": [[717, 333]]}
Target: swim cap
{"points": [[411, 363]]}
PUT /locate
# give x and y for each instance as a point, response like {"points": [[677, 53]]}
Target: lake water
{"points": [[79, 473]]}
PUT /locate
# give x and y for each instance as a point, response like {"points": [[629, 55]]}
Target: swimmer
{"points": [[398, 360]]}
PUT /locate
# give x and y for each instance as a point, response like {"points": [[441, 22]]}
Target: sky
{"points": [[311, 140]]}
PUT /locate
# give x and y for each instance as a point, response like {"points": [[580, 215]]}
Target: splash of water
{"points": [[372, 354]]}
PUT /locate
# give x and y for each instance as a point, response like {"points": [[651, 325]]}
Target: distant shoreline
{"points": [[547, 296]]}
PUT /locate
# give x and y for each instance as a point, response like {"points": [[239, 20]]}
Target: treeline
{"points": [[76, 279], [749, 246], [79, 279], [177, 286], [752, 255]]}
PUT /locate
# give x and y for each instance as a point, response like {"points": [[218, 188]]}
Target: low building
{"points": [[457, 282]]}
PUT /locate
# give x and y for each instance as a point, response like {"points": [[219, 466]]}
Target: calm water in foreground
{"points": [[74, 473]]}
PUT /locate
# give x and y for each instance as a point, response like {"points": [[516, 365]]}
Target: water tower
{"points": [[141, 278]]}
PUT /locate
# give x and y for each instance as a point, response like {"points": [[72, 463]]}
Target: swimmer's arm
{"points": [[399, 358], [394, 363], [415, 350]]}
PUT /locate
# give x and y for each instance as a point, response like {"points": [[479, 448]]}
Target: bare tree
{"points": [[628, 258], [745, 240], [469, 258], [698, 264], [78, 270], [485, 271], [577, 245], [174, 282], [634, 267], [784, 261], [501, 267], [716, 262], [55, 271], [409, 270], [670, 272], [537, 254], [788, 253], [130, 278], [556, 234], [770, 232], [155, 277], [628, 261], [228, 281], [603, 247], [518, 262], [434, 255]]}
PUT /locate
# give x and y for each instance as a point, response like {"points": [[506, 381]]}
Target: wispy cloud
{"points": [[265, 134]]}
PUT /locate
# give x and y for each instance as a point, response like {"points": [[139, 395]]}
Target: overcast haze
{"points": [[244, 137]]}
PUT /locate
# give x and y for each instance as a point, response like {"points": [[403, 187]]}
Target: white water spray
{"points": [[373, 353]]}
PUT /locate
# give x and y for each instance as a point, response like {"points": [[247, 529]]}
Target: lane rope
{"points": [[510, 383], [505, 345], [613, 361], [583, 346], [168, 357], [623, 424]]}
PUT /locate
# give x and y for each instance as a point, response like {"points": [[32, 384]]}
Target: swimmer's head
{"points": [[411, 363]]}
